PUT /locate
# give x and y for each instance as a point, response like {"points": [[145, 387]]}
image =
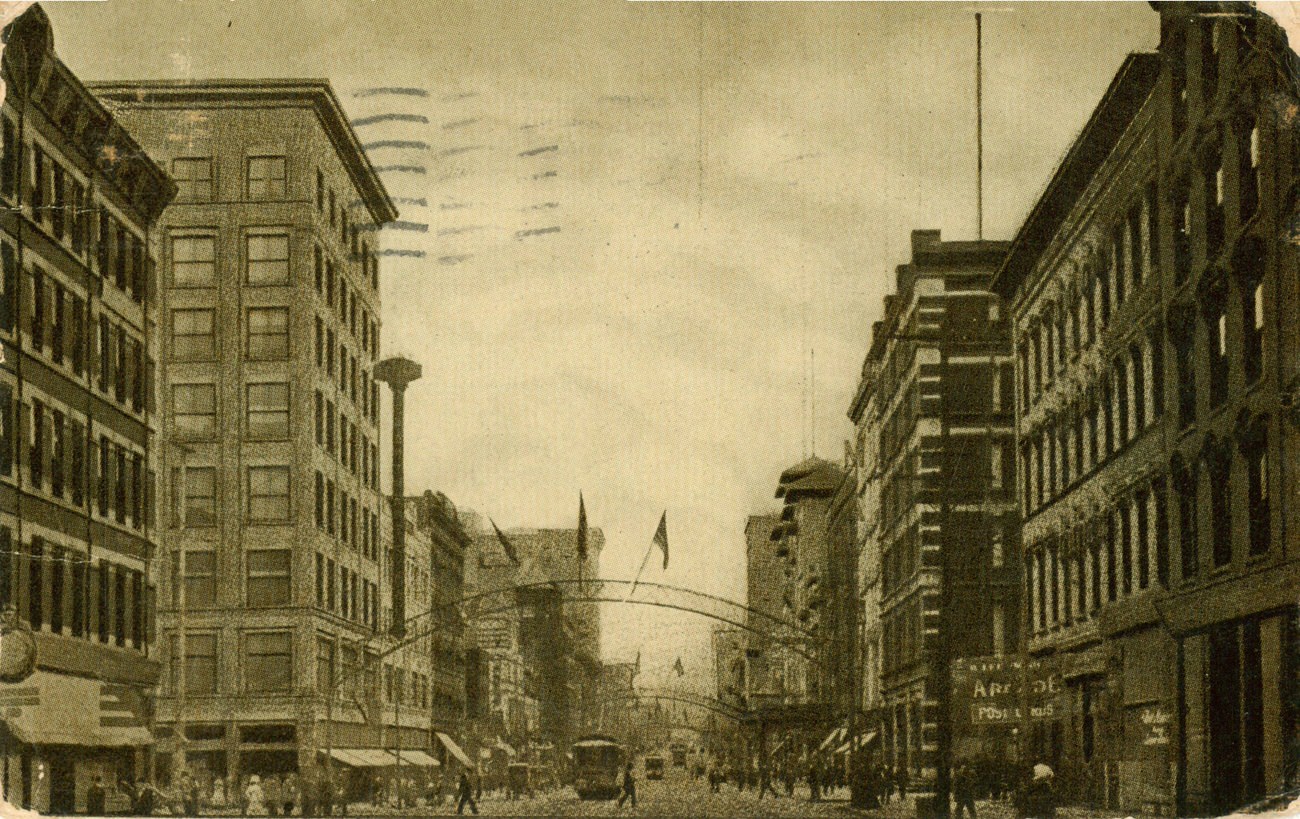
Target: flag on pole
{"points": [[505, 543], [677, 666], [582, 529], [661, 536]]}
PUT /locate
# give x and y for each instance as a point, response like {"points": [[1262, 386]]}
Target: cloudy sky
{"points": [[734, 184]]}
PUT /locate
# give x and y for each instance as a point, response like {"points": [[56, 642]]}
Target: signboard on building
{"points": [[996, 690]]}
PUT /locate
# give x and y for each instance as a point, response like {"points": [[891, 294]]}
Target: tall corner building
{"points": [[270, 323], [934, 415], [1154, 295], [78, 432]]}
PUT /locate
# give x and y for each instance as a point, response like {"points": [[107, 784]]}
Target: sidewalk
{"points": [[988, 809]]}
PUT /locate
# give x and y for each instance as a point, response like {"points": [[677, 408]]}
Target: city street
{"points": [[680, 796]]}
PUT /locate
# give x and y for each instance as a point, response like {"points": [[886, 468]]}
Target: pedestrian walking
{"points": [[765, 781], [963, 790], [271, 794], [289, 793], [629, 786], [814, 782], [96, 797], [1037, 798], [254, 797], [307, 784], [465, 794]]}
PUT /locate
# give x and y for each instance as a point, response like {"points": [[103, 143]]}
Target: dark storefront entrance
{"points": [[1236, 715]]}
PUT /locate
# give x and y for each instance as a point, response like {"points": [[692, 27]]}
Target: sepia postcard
{"points": [[579, 408]]}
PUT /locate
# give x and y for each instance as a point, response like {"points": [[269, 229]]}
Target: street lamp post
{"points": [[398, 372]]}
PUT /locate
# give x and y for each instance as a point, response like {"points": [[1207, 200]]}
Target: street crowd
{"points": [[1031, 792]]}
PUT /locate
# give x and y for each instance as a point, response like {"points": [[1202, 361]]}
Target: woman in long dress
{"points": [[254, 797]]}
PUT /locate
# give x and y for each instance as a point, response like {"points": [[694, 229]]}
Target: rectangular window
{"points": [[266, 177], [193, 336], [194, 261], [320, 419], [268, 494], [200, 578], [330, 584], [119, 607], [320, 500], [268, 662], [9, 159], [8, 286], [324, 665], [268, 333], [268, 258], [268, 411], [194, 410], [268, 577], [198, 491], [1253, 327], [193, 178], [200, 663], [1220, 508], [1260, 521]]}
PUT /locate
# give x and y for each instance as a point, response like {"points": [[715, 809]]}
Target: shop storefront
{"points": [[60, 732]]}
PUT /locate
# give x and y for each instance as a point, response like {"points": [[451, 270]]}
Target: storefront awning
{"points": [[125, 737], [417, 758], [863, 741], [455, 750], [363, 757], [55, 709], [832, 738]]}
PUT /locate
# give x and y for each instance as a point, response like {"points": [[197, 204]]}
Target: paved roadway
{"points": [[675, 796], [678, 796]]}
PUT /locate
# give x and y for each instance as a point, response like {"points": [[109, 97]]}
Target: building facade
{"points": [[1154, 295], [841, 661], [938, 382], [764, 579], [270, 448], [78, 431], [865, 464]]}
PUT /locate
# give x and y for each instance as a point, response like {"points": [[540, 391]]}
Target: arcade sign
{"points": [[992, 690]]}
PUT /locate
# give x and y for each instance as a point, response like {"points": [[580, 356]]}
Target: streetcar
{"points": [[597, 767], [654, 767]]}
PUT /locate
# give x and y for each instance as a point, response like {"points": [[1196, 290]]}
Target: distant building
{"points": [[938, 502], [510, 698], [840, 657], [78, 427], [541, 643], [270, 320], [561, 633], [1154, 294], [616, 701], [729, 666], [865, 465], [764, 580], [801, 541]]}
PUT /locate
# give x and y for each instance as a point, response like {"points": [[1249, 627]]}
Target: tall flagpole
{"points": [[979, 129]]}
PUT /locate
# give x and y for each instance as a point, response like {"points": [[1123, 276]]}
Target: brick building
{"points": [[78, 426], [938, 381], [271, 325], [1154, 297]]}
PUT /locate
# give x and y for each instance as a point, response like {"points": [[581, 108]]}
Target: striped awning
{"points": [[455, 750], [417, 758]]}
